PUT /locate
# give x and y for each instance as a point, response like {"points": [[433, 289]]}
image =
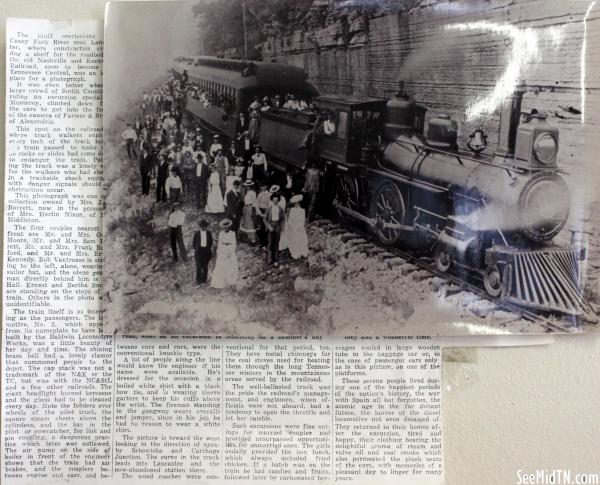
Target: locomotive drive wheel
{"points": [[442, 259], [388, 207], [492, 280], [346, 195]]}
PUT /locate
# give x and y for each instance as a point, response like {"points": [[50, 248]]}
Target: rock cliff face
{"points": [[457, 56], [454, 55]]}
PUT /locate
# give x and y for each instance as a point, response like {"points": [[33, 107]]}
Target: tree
{"points": [[222, 28]]}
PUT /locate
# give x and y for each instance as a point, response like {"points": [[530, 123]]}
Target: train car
{"points": [[493, 217], [230, 86]]}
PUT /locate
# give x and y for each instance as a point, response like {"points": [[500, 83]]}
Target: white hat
{"points": [[296, 198]]}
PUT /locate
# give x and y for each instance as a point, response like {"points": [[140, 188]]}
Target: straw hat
{"points": [[296, 199], [248, 183], [274, 189], [225, 223]]}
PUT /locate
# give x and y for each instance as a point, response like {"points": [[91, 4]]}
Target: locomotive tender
{"points": [[492, 216]]}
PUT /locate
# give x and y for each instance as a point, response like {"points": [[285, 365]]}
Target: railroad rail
{"points": [[365, 241]]}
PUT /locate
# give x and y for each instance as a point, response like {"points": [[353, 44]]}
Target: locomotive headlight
{"points": [[545, 148]]}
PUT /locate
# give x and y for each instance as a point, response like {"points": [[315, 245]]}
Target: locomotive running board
{"points": [[371, 221]]}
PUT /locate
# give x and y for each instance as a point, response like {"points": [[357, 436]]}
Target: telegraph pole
{"points": [[245, 35]]}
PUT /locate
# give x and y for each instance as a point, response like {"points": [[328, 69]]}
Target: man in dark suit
{"points": [[234, 206], [241, 125], [199, 142], [161, 178], [232, 154], [146, 164], [178, 115], [276, 102], [179, 136], [202, 176], [137, 126], [274, 221], [202, 244]]}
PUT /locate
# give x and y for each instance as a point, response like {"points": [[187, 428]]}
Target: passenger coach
{"points": [[232, 86]]}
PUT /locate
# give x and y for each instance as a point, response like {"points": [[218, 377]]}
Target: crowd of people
{"points": [[232, 180]]}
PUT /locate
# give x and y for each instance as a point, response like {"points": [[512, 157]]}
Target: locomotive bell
{"points": [[537, 141], [442, 132], [477, 141]]}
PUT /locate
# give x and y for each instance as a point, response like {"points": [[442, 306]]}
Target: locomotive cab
{"points": [[357, 122]]}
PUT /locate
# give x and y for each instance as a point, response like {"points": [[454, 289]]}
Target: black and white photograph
{"points": [[327, 167]]}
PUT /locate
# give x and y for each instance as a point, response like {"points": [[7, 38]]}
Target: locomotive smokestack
{"points": [[509, 122]]}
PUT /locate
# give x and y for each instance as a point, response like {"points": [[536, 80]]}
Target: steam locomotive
{"points": [[409, 183]]}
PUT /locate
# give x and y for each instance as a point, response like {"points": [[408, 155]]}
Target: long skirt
{"points": [[225, 272], [297, 241], [214, 202], [248, 225], [174, 195], [283, 239], [258, 172]]}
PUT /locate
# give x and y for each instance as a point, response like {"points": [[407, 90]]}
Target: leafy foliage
{"points": [[222, 25]]}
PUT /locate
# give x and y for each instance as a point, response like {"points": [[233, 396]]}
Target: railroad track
{"points": [[363, 242]]}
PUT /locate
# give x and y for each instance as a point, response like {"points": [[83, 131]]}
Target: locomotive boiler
{"points": [[494, 215], [407, 181]]}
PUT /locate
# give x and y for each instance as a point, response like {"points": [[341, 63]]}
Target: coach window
{"points": [[342, 125]]}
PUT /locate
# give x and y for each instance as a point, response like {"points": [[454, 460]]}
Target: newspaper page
{"points": [[82, 407]]}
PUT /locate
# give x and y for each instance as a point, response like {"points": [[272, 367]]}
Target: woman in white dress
{"points": [[296, 231], [214, 201], [283, 243], [226, 268]]}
